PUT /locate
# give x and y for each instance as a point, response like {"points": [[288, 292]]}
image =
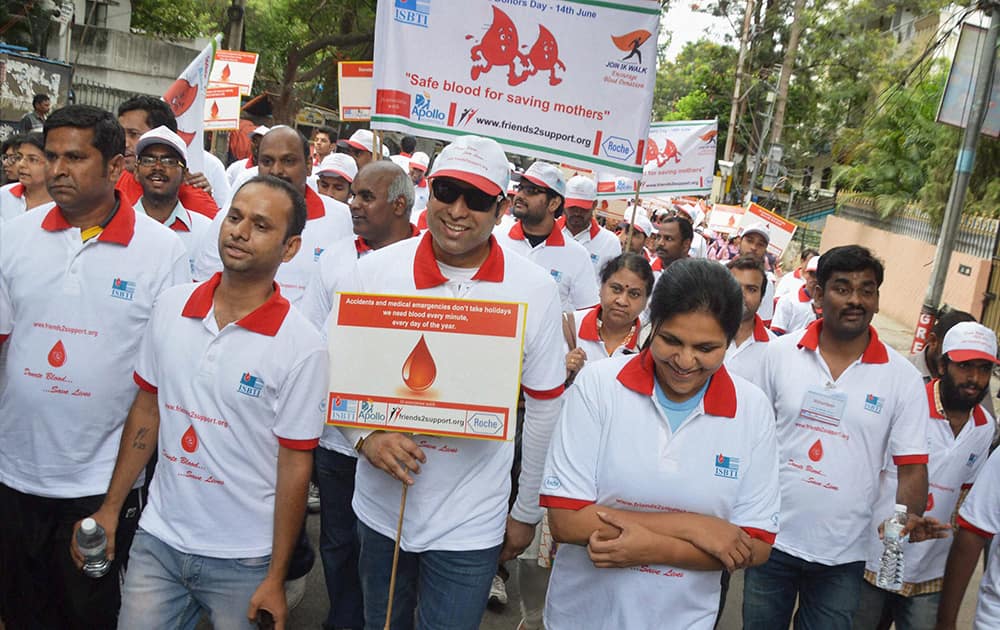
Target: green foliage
{"points": [[698, 85], [179, 18]]}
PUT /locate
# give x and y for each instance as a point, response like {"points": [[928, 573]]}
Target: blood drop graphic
{"points": [[930, 502], [189, 441], [419, 370], [215, 109], [57, 355], [816, 451], [226, 72]]}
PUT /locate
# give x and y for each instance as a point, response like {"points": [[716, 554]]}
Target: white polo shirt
{"points": [[566, 261], [328, 221], [460, 498], [747, 359], [588, 336], [766, 310], [613, 446], [13, 203], [75, 313], [227, 399], [955, 461], [793, 312], [835, 436], [980, 514], [189, 226], [234, 170], [789, 284], [601, 244], [218, 178]]}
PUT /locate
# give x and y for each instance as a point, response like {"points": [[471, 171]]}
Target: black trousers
{"points": [[40, 587]]}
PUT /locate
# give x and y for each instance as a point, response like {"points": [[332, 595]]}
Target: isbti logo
{"points": [[251, 385]]}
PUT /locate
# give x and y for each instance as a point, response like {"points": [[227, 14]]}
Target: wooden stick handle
{"points": [[395, 557]]}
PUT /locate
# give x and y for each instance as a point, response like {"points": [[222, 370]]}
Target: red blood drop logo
{"points": [[816, 451], [189, 441], [930, 501], [226, 73], [57, 355], [215, 109], [419, 370]]}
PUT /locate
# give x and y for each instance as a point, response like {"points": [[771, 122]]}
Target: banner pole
{"points": [[631, 224], [395, 557], [377, 147]]}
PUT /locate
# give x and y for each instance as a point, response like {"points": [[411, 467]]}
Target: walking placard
{"points": [[680, 157], [568, 81], [422, 365]]}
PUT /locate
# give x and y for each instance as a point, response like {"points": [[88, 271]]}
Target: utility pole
{"points": [[234, 34], [740, 61], [760, 145], [960, 181]]}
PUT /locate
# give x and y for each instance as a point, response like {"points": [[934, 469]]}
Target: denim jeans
{"points": [[435, 590], [828, 595], [338, 539], [879, 608], [165, 588]]}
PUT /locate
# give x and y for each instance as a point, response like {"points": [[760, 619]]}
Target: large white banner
{"points": [[186, 98], [680, 157], [563, 80]]}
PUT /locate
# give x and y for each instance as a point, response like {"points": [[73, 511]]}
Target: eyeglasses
{"points": [[530, 189], [447, 191], [10, 157], [150, 161]]}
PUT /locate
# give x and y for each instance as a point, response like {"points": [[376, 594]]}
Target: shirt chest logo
{"points": [[251, 385], [873, 403], [317, 251], [594, 258], [728, 467], [557, 275], [972, 460], [123, 289]]}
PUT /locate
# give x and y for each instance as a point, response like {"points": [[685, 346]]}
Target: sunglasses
{"points": [[447, 191]]}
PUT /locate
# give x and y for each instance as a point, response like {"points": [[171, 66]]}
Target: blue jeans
{"points": [[165, 588], [447, 590], [828, 595], [880, 608], [338, 539]]}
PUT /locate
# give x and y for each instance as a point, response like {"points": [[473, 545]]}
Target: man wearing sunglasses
{"points": [[456, 524], [160, 167], [539, 200]]}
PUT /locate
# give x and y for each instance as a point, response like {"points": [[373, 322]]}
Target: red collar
{"points": [[119, 230], [760, 330], [720, 397], [588, 329], [179, 226], [595, 228], [554, 239], [874, 353], [804, 295], [314, 205], [362, 247], [249, 163], [427, 274], [797, 274], [17, 190], [978, 415], [657, 264], [266, 319]]}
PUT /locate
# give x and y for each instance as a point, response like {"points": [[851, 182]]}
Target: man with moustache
{"points": [[672, 242], [754, 239], [958, 436]]}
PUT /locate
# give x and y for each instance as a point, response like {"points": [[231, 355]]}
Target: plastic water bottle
{"points": [[93, 545], [890, 570]]}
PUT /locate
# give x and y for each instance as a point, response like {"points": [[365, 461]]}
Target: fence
{"points": [[89, 92]]}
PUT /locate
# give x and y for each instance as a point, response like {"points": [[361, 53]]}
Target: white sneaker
{"points": [[312, 502], [498, 591]]}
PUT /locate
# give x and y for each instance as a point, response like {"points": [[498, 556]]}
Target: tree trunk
{"points": [[787, 66]]}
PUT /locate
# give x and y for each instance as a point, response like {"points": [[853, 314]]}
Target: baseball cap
{"points": [[637, 216], [419, 160], [260, 131], [757, 228], [547, 176], [162, 135], [969, 341], [338, 165], [474, 160], [813, 264], [362, 139], [580, 191]]}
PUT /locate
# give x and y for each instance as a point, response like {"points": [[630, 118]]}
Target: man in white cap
{"points": [[359, 146], [249, 163], [539, 198], [161, 160], [643, 232], [958, 437], [579, 224], [456, 525], [797, 310], [754, 239], [334, 176], [418, 168]]}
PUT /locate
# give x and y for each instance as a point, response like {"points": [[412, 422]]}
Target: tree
{"points": [[179, 19]]}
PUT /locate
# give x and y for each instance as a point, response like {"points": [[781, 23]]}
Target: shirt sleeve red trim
{"points": [[299, 445], [966, 486], [760, 534], [3, 338], [547, 394], [143, 384], [966, 525], [562, 503], [903, 460]]}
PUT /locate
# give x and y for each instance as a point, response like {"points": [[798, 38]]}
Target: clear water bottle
{"points": [[93, 546], [890, 570]]}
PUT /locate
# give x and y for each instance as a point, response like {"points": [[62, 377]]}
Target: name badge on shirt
{"points": [[823, 406]]}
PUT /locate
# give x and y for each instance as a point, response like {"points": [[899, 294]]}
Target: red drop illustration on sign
{"points": [[215, 109], [189, 441], [816, 451], [544, 55], [662, 156], [57, 355], [419, 370], [180, 96], [500, 47], [226, 73]]}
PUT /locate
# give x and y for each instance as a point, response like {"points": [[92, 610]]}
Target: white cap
{"points": [[474, 160], [338, 165], [385, 151], [640, 221], [162, 135], [547, 176], [757, 228], [260, 131], [362, 139], [419, 160], [401, 162], [969, 341], [580, 191], [813, 264]]}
